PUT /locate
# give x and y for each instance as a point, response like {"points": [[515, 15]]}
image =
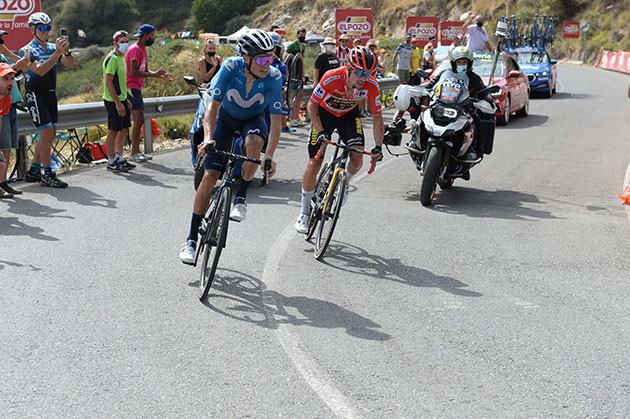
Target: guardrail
{"points": [[93, 113]]}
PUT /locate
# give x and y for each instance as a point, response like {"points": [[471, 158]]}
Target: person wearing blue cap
{"points": [[136, 60]]}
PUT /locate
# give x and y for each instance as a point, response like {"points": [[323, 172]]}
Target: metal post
{"points": [[585, 52], [148, 136], [21, 160]]}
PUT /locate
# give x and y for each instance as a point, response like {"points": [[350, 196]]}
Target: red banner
{"points": [[356, 23], [449, 30], [422, 28], [14, 19], [617, 61], [571, 29]]}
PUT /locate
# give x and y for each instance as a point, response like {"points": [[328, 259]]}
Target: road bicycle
{"points": [[214, 227], [330, 191], [295, 65], [387, 98]]}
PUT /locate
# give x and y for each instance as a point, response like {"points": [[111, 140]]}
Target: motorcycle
{"points": [[446, 130]]}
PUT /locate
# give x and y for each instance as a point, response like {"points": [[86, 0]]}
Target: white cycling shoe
{"points": [[187, 253], [239, 210], [301, 225]]}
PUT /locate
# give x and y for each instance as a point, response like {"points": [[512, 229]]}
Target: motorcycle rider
{"points": [[461, 60]]}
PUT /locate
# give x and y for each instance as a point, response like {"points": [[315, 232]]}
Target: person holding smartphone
{"points": [[41, 98]]}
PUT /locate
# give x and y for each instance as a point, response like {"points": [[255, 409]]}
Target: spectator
{"points": [[382, 60], [428, 58], [116, 103], [274, 28], [136, 60], [356, 42], [458, 41], [210, 63], [477, 35], [297, 46], [282, 67], [416, 58], [401, 66], [9, 130], [41, 99], [7, 74], [342, 50], [380, 70], [325, 61]]}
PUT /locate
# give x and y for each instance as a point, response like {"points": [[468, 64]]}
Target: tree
{"points": [[213, 15]]}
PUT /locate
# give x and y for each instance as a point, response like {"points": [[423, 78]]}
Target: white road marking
{"points": [[317, 379], [520, 302]]}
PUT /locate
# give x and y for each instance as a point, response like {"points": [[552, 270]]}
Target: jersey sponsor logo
{"points": [[378, 100], [319, 91], [216, 92], [354, 25], [340, 104], [276, 74], [234, 96], [277, 105], [361, 94], [229, 63], [328, 80]]}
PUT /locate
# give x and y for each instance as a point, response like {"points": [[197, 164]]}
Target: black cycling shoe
{"points": [[53, 182], [33, 178]]}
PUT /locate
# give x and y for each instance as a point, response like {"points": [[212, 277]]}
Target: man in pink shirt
{"points": [[137, 70]]}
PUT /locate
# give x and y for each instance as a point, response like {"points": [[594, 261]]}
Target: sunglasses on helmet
{"points": [[362, 73], [264, 60], [44, 28]]}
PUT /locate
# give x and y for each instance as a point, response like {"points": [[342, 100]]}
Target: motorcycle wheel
{"points": [[445, 184], [430, 178]]}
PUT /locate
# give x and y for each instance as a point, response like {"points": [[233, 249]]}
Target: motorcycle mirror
{"points": [[490, 89], [190, 80]]}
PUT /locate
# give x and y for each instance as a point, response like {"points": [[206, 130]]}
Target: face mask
{"points": [[302, 39], [461, 69], [480, 24], [150, 41], [211, 53], [123, 47], [329, 48]]}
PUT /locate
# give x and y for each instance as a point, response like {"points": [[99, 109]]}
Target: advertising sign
{"points": [[14, 19], [356, 23], [423, 28], [571, 29], [449, 30]]}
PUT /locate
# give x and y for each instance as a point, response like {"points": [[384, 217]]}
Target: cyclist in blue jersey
{"points": [[41, 99], [240, 92]]}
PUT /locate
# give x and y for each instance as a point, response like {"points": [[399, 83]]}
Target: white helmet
{"points": [[402, 97], [38, 18], [254, 42]]}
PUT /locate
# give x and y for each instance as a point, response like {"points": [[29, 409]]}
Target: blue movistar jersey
{"points": [[34, 82], [229, 87]]}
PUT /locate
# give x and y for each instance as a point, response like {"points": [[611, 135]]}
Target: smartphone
{"points": [[27, 54], [63, 32]]}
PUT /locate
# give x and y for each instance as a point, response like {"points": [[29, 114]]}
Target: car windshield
{"points": [[531, 58], [482, 65]]}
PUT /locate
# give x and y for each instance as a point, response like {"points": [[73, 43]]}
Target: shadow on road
{"points": [[480, 203], [277, 191], [168, 170], [353, 259], [11, 226], [78, 195], [243, 297], [4, 263], [567, 95], [146, 180], [35, 209], [530, 121]]}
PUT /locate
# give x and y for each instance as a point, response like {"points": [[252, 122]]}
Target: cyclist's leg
{"points": [[255, 132], [351, 134]]}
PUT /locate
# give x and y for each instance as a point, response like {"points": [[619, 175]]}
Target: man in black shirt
{"points": [[326, 60]]}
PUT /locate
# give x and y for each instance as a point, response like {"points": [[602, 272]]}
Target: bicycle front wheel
{"points": [[330, 216], [320, 190], [214, 241]]}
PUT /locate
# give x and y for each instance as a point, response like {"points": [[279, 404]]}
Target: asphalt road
{"points": [[509, 297]]}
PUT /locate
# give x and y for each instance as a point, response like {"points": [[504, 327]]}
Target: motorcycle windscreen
{"points": [[451, 88]]}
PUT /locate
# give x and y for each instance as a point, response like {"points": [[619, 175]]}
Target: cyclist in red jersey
{"points": [[334, 106]]}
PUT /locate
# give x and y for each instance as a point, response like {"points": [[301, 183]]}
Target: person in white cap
{"points": [[325, 61]]}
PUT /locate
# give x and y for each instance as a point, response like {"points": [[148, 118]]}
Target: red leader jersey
{"points": [[331, 93]]}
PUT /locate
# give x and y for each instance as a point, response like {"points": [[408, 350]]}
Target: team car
{"points": [[540, 69]]}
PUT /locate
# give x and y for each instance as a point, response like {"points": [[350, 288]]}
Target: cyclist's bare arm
{"points": [[313, 113], [378, 129], [209, 121], [274, 138]]}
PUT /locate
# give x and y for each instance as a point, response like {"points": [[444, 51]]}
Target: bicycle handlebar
{"points": [[232, 156], [322, 149]]}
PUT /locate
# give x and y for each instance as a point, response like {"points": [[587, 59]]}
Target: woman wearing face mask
{"points": [[210, 63], [326, 60]]}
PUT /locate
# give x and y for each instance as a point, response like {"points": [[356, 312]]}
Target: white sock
{"points": [[119, 156], [349, 176], [306, 201], [111, 159]]}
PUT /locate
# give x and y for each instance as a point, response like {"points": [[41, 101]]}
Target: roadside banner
{"points": [[571, 29], [14, 19], [423, 28], [449, 30], [356, 23], [616, 61]]}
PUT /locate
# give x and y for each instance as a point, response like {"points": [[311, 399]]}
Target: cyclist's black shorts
{"points": [[348, 126]]}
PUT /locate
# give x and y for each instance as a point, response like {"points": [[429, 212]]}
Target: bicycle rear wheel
{"points": [[320, 191], [330, 216], [214, 241], [294, 80]]}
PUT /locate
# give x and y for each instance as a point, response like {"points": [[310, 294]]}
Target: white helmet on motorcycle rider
{"points": [[461, 53], [402, 97]]}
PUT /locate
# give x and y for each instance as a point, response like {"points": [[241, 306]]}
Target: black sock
{"points": [[195, 222], [242, 189], [47, 171]]}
